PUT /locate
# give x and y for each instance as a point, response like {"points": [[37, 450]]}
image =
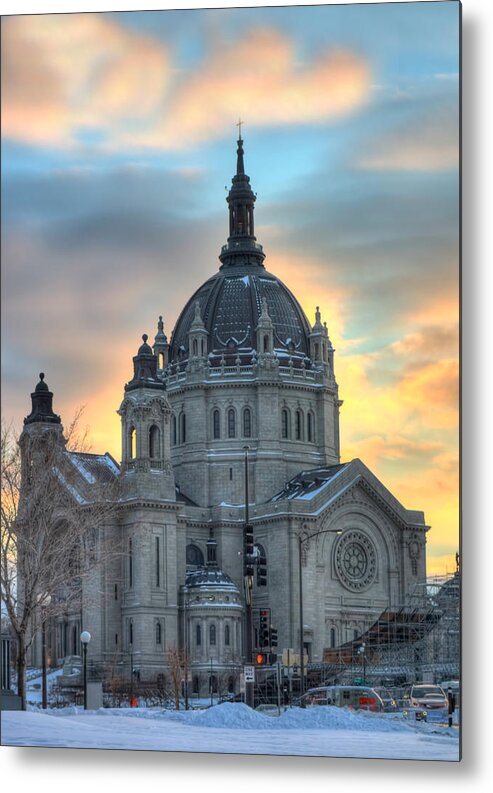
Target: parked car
{"points": [[427, 696], [388, 699], [354, 697]]}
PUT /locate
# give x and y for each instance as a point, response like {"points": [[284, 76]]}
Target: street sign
{"points": [[249, 672]]}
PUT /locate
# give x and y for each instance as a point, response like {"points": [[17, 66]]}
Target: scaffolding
{"points": [[419, 641]]}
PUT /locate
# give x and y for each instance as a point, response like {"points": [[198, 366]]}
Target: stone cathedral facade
{"points": [[244, 381]]}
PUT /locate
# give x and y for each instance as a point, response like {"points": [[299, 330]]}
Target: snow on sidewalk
{"points": [[233, 728]]}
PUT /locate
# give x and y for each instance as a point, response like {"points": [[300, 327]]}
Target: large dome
{"points": [[231, 301], [230, 304]]}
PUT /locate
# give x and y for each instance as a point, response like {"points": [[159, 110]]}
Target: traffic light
{"points": [[261, 571], [264, 628], [273, 636], [248, 549], [265, 659]]}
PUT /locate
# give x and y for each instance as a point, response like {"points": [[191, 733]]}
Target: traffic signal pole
{"points": [[248, 579]]}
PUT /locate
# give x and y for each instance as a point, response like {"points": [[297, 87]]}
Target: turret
{"points": [[161, 346], [145, 415], [197, 337], [265, 331]]}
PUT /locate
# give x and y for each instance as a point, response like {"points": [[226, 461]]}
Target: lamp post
{"points": [[186, 603], [46, 602], [302, 540], [362, 652], [85, 638]]}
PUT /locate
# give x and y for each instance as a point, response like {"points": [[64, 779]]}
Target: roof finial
{"points": [[240, 166], [239, 125]]}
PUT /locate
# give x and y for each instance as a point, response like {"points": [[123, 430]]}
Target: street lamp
{"points": [[362, 652], [302, 540], [85, 638], [44, 603]]}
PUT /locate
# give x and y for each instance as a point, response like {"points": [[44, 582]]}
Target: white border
{"points": [[83, 770]]}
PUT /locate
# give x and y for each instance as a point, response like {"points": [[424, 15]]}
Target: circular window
{"points": [[355, 560]]}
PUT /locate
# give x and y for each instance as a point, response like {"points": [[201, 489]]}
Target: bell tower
{"points": [[145, 415]]}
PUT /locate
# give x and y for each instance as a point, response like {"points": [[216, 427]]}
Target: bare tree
{"points": [[54, 529], [176, 669]]}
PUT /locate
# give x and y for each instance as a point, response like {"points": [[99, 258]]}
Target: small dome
{"points": [[210, 578], [145, 349], [41, 386]]}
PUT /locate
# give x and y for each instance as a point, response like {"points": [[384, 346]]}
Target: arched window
{"points": [[159, 634], [355, 633], [174, 432], [154, 437], [266, 344], [316, 352], [198, 635], [202, 347], [195, 347], [247, 423], [226, 635], [161, 360], [332, 637], [285, 423], [194, 556], [216, 424], [183, 428], [311, 427], [231, 423], [133, 443], [299, 425], [212, 635]]}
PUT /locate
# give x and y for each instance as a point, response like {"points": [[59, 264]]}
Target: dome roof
{"points": [[230, 304], [210, 578]]}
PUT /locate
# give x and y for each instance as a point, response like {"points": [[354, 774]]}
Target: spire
{"points": [[160, 336], [240, 165], [242, 248], [197, 322], [42, 404], [145, 368], [161, 346]]}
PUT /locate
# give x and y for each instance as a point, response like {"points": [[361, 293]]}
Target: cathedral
{"points": [[235, 420]]}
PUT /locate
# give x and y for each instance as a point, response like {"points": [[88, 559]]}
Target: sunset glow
{"points": [[118, 139]]}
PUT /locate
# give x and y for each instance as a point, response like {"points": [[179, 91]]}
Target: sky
{"points": [[118, 139]]}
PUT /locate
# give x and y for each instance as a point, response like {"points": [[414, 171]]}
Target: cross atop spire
{"points": [[239, 125]]}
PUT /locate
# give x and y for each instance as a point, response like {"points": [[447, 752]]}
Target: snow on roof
{"points": [[308, 484]]}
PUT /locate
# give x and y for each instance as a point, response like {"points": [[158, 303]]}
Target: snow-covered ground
{"points": [[234, 728]]}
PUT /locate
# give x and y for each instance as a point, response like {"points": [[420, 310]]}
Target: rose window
{"points": [[355, 560]]}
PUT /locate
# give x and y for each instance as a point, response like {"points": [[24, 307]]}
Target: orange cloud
{"points": [[259, 75], [61, 73], [64, 72]]}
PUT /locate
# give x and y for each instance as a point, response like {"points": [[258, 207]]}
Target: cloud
{"points": [[259, 76], [426, 143], [65, 73]]}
